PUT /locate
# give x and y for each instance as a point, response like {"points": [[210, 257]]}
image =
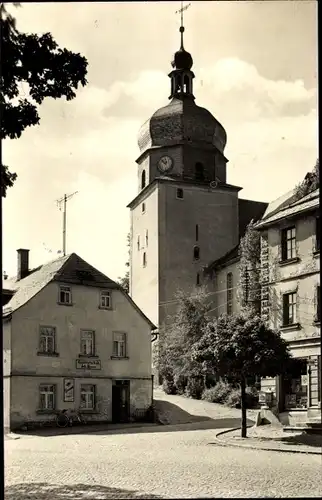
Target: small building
{"points": [[73, 339], [290, 264]]}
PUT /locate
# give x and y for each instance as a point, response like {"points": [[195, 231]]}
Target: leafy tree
{"points": [[125, 281], [46, 69], [174, 361], [249, 268], [240, 347], [310, 183]]}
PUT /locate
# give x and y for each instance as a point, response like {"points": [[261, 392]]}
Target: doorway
{"points": [[120, 401], [295, 385]]}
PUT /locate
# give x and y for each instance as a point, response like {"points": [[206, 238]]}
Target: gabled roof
{"points": [[305, 204], [226, 259], [28, 287], [70, 269], [281, 202]]}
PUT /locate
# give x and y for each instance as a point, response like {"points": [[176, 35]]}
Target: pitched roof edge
{"points": [[262, 224], [225, 259], [153, 327]]}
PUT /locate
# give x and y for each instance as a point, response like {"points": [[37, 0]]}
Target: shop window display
{"points": [[295, 385]]}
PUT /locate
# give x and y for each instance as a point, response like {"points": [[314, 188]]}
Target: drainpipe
{"points": [[156, 336]]}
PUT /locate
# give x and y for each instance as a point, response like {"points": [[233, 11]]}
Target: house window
{"points": [[179, 193], [47, 339], [46, 397], [317, 234], [288, 243], [119, 345], [229, 293], [65, 295], [87, 347], [197, 232], [138, 242], [289, 309], [144, 259], [196, 253], [318, 302], [105, 300], [199, 172], [198, 279], [146, 237], [143, 179], [87, 397], [143, 208]]}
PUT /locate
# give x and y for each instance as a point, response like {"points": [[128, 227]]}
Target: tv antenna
{"points": [[62, 205]]}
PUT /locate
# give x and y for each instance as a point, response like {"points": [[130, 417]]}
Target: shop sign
{"points": [[68, 390], [93, 364], [261, 397], [304, 379]]}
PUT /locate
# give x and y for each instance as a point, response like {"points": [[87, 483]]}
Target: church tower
{"points": [[185, 214]]}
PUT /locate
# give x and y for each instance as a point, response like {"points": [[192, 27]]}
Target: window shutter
{"points": [[318, 304], [285, 309], [283, 244], [319, 378], [317, 233]]}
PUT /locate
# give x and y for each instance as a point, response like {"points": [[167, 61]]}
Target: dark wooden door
{"points": [[120, 402]]}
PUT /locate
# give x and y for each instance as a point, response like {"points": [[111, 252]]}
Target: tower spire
{"points": [[181, 11], [181, 76]]}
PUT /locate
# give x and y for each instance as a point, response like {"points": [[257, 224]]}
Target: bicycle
{"points": [[65, 420]]}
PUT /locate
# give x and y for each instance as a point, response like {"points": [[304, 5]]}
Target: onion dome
{"points": [[182, 121]]}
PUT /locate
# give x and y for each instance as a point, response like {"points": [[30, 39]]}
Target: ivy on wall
{"points": [[249, 268]]}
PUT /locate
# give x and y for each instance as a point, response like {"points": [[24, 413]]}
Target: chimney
{"points": [[23, 263]]}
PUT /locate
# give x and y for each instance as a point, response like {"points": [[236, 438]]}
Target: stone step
{"points": [[309, 429]]}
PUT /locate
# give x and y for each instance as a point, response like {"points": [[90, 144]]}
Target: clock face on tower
{"points": [[165, 164]]}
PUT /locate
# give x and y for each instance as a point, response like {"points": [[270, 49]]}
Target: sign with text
{"points": [[93, 364], [69, 390]]}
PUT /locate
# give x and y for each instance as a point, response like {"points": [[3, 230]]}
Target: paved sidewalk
{"points": [[78, 429], [268, 437]]}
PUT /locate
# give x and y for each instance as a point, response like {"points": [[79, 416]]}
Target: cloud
{"points": [[90, 145]]}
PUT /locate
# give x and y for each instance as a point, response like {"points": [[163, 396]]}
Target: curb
{"points": [[221, 442], [11, 435], [79, 430]]}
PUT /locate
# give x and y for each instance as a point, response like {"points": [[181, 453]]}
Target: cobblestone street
{"points": [[165, 461]]}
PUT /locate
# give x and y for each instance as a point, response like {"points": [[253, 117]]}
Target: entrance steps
{"points": [[312, 426]]}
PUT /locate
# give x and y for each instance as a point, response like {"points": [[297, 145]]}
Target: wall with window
{"points": [[182, 255], [293, 304], [52, 341], [6, 372], [225, 297], [144, 255], [293, 248]]}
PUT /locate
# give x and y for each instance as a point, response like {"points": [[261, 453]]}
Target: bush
{"points": [[181, 384], [218, 393], [234, 398], [194, 387], [168, 386]]}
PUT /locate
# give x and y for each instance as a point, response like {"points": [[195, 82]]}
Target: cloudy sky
{"points": [[256, 70]]}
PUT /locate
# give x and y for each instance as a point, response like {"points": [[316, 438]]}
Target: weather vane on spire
{"points": [[181, 11]]}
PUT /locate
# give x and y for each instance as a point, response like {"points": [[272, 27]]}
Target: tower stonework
{"points": [[185, 214]]}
